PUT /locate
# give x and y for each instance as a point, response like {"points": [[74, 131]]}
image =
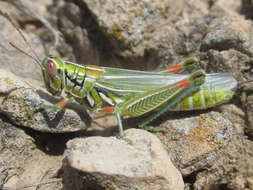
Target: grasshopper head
{"points": [[52, 71]]}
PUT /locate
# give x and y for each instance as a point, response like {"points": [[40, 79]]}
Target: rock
{"points": [[154, 44], [229, 33], [228, 61], [247, 9], [232, 167], [117, 37], [81, 48], [249, 128], [201, 10], [195, 142], [12, 59], [211, 146], [171, 43], [127, 22], [18, 101], [22, 9], [226, 8], [110, 163], [35, 18], [21, 162], [236, 115], [247, 101]]}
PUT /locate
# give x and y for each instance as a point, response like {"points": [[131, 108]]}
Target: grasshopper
{"points": [[131, 93]]}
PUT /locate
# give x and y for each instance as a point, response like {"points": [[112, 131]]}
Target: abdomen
{"points": [[204, 98]]}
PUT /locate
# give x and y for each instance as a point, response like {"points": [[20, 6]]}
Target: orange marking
{"points": [[183, 84], [175, 68], [96, 72], [62, 103], [108, 109], [208, 29]]}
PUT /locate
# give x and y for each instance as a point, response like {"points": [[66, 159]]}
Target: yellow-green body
{"points": [[133, 93]]}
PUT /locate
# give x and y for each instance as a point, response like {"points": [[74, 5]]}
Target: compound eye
{"points": [[51, 68]]}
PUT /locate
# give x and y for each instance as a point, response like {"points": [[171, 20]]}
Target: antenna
{"points": [[35, 56], [13, 45]]}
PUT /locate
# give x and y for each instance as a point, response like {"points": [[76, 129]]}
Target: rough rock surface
{"points": [[195, 142], [247, 98], [229, 33], [201, 142], [21, 162], [116, 164], [16, 62]]}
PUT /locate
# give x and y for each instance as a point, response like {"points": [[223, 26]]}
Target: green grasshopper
{"points": [[131, 93]]}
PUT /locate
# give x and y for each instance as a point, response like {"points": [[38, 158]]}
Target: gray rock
{"points": [[119, 37], [226, 8], [98, 162], [127, 22], [247, 100], [229, 33], [247, 8], [13, 60], [21, 162], [228, 61], [211, 145], [195, 142], [232, 167]]}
